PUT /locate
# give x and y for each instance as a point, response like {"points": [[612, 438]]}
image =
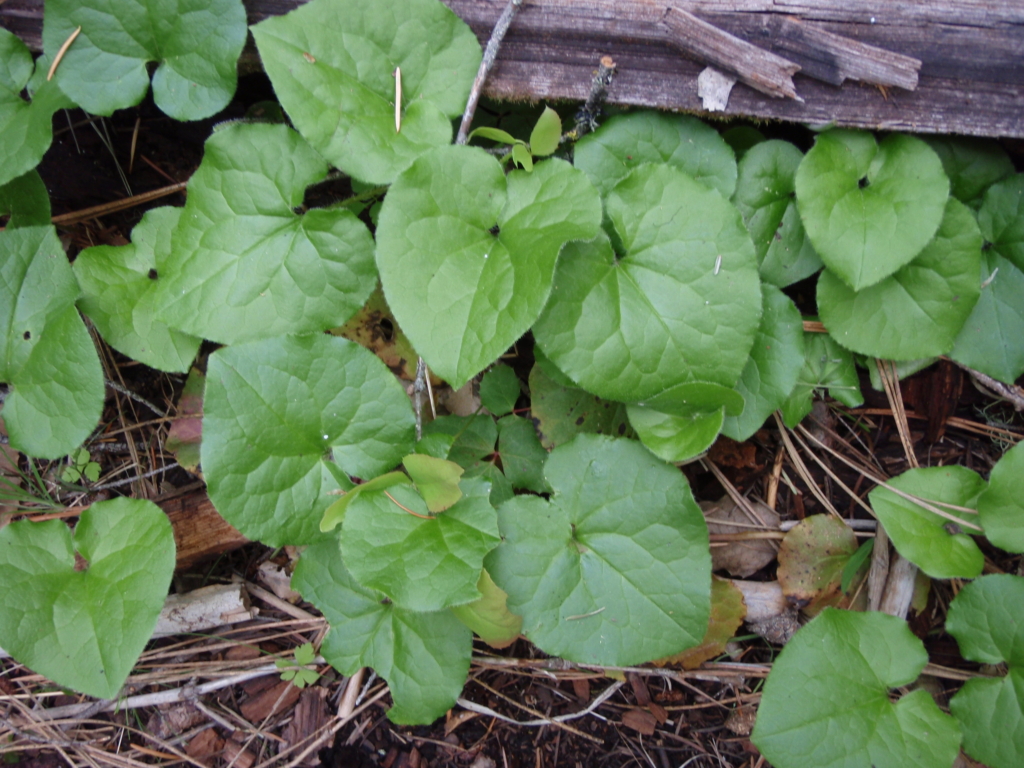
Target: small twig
{"points": [[586, 118], [60, 53], [118, 205], [490, 56], [418, 389], [998, 389], [126, 481], [137, 398]]}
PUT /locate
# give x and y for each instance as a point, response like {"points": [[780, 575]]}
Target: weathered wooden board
{"points": [[972, 53]]}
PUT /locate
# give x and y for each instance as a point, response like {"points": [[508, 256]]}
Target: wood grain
{"points": [[971, 79]]}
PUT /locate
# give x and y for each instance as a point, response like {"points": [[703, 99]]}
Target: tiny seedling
{"points": [[299, 671]]}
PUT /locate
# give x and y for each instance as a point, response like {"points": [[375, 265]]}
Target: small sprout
{"points": [[80, 465], [301, 671]]}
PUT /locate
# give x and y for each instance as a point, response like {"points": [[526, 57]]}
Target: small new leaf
{"points": [[299, 670]]}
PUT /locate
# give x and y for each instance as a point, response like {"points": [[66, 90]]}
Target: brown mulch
{"points": [[658, 717]]}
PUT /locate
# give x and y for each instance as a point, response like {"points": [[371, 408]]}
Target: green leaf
{"points": [[742, 138], [473, 437], [972, 165], [933, 543], [546, 133], [933, 295], [335, 514], [499, 390], [870, 208], [855, 563], [285, 419], [772, 371], [195, 45], [119, 294], [437, 480], [46, 354], [609, 154], [423, 656], [421, 564], [672, 437], [489, 616], [25, 128], [26, 200], [521, 155], [766, 199], [494, 134], [467, 257], [985, 619], [332, 64], [243, 265], [522, 455], [681, 303], [1001, 219], [826, 364], [84, 628], [826, 702], [1001, 506], [990, 339], [562, 411], [615, 568]]}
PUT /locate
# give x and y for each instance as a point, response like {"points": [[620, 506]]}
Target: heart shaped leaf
{"points": [[990, 339], [563, 410], [391, 543], [673, 437], [985, 619], [85, 628], [766, 199], [285, 419], [522, 455], [1001, 219], [774, 365], [243, 265], [195, 45], [826, 364], [870, 208], [1001, 506], [499, 390], [423, 656], [25, 128], [489, 616], [340, 92], [615, 568], [681, 303], [933, 294], [118, 291], [834, 677], [626, 141], [546, 133], [936, 545], [467, 257], [47, 356], [972, 165], [26, 200]]}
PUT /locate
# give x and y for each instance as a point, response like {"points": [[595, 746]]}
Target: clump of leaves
{"points": [[300, 670], [80, 466]]}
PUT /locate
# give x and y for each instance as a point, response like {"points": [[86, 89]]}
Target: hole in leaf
{"points": [[27, 335], [387, 329], [151, 274], [494, 230], [986, 245], [863, 182], [81, 564]]}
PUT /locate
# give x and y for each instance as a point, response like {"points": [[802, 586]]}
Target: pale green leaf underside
{"points": [[990, 340], [614, 569], [985, 618], [118, 291], [332, 65], [243, 264], [423, 656], [766, 199], [85, 629], [285, 419], [195, 43], [25, 128], [918, 534], [1001, 506], [826, 702], [774, 366], [682, 303], [467, 257], [865, 233], [682, 141], [46, 354], [917, 311], [421, 564]]}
